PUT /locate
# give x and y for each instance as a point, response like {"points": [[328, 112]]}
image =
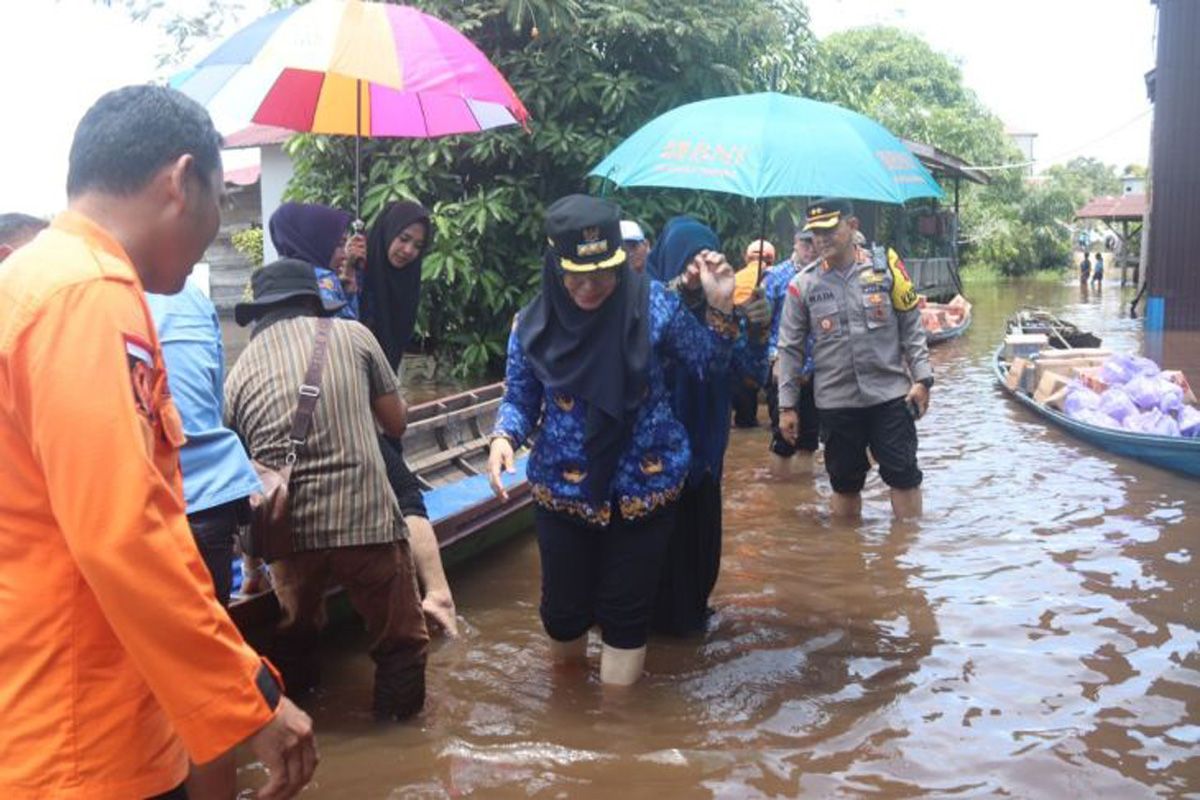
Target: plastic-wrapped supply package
{"points": [[1139, 365], [1153, 422], [1143, 391], [1080, 398], [1117, 370], [1189, 422], [1170, 396], [1096, 417], [1116, 404]]}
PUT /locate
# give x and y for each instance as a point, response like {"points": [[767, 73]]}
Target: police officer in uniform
{"points": [[871, 362]]}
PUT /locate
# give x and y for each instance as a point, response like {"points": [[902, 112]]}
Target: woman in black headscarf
{"points": [[391, 292], [585, 368]]}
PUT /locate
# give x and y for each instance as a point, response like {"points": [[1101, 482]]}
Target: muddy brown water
{"points": [[1034, 635]]}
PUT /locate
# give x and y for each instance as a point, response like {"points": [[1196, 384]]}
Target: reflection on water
{"points": [[1035, 635]]}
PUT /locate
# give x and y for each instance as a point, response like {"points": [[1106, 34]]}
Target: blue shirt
{"points": [[775, 289], [330, 287], [215, 466]]}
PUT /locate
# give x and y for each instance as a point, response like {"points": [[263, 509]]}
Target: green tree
{"points": [[590, 73], [896, 78]]}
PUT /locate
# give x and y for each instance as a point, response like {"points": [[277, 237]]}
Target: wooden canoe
{"points": [[446, 446]]}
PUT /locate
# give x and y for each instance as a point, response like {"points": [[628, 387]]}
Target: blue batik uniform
{"points": [[652, 470], [775, 288], [331, 288]]}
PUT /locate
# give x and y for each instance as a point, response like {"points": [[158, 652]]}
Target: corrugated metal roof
{"points": [[939, 162], [1125, 206]]}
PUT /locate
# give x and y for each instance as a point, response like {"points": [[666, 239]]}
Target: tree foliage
{"points": [[590, 72]]}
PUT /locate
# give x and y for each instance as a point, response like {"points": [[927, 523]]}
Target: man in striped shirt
{"points": [[346, 523]]}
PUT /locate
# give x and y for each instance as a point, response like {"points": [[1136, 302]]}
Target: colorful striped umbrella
{"points": [[353, 68]]}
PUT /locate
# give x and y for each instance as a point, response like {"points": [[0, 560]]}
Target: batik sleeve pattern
{"points": [[521, 407]]}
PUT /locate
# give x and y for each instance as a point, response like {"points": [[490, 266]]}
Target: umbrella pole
{"points": [[762, 237], [357, 150]]}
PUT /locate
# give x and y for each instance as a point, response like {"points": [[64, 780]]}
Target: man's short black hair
{"points": [[131, 133], [16, 226]]}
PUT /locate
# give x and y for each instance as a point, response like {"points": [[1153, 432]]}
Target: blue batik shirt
{"points": [[654, 466], [216, 469], [775, 288], [331, 288]]}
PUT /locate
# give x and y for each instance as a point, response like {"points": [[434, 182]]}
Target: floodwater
{"points": [[1034, 635]]}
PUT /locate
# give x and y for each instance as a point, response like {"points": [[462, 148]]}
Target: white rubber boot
{"points": [[572, 652], [619, 667]]}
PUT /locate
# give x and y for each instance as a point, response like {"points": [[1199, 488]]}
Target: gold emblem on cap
{"points": [[592, 244]]}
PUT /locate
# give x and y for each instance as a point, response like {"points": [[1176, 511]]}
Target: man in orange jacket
{"points": [[117, 662]]}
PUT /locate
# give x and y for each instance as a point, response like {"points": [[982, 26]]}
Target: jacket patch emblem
{"points": [[139, 355], [574, 475], [564, 401]]}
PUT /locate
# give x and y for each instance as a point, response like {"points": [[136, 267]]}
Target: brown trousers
{"points": [[381, 583]]}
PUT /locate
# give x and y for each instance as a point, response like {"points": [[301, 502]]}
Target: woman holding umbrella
{"points": [[586, 368], [391, 293], [703, 404]]}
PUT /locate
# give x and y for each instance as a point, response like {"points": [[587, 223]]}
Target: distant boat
{"points": [[446, 446], [945, 321], [1180, 455]]}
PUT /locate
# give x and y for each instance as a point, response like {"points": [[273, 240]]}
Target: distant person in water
{"points": [[16, 230], [1085, 269], [1098, 270]]}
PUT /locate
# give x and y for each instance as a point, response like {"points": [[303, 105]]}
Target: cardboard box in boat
{"points": [[1052, 353], [1020, 376], [1052, 389], [1066, 366], [1090, 377], [1024, 345]]}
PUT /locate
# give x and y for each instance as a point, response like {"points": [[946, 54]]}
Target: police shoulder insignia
{"points": [[904, 294]]}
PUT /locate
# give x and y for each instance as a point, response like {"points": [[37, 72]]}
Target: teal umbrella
{"points": [[769, 145]]}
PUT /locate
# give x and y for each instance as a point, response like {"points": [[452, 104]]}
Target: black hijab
{"points": [[390, 296], [601, 357]]}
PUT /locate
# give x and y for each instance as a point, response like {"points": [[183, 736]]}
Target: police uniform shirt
{"points": [[866, 328]]}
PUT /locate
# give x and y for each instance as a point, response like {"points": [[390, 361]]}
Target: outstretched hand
{"points": [[500, 458]]}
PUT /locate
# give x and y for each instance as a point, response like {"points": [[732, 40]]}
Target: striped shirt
{"points": [[339, 495]]}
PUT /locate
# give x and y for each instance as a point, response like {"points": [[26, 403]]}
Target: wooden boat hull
{"points": [[446, 447], [1177, 455]]}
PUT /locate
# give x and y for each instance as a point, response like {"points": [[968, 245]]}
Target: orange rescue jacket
{"points": [[116, 661]]}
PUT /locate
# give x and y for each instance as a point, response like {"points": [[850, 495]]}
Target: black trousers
{"points": [[744, 398], [604, 577], [692, 563], [404, 483], [214, 530]]}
